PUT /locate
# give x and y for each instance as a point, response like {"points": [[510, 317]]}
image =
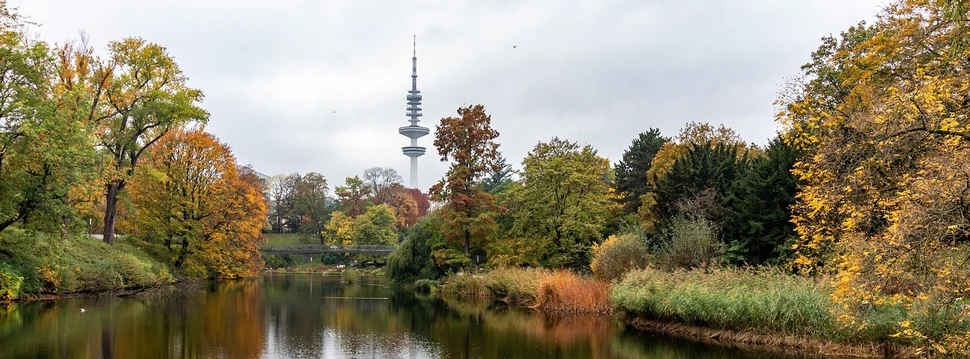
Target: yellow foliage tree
{"points": [[339, 230], [884, 117]]}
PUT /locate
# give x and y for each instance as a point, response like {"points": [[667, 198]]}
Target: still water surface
{"points": [[313, 316]]}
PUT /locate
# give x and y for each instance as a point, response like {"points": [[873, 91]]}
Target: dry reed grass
{"points": [[565, 292]]}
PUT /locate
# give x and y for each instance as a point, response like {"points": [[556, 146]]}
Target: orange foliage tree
{"points": [[195, 201], [405, 207], [469, 142], [422, 200]]}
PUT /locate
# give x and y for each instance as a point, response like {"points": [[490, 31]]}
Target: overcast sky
{"points": [[299, 86]]}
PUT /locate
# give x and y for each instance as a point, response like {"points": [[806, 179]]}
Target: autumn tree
{"points": [[631, 171], [141, 95], [44, 145], [380, 181], [191, 198], [468, 142], [882, 113], [353, 196], [339, 230], [562, 203], [404, 205], [310, 205], [422, 200]]}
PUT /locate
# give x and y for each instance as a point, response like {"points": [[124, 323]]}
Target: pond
{"points": [[315, 316]]}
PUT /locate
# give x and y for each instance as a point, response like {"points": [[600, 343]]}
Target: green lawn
{"points": [[282, 239]]}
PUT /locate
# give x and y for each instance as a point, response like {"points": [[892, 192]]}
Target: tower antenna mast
{"points": [[413, 131]]}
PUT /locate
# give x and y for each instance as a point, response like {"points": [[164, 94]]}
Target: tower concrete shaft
{"points": [[413, 112]]}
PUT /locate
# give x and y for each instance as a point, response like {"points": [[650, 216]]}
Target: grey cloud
{"points": [[298, 86]]}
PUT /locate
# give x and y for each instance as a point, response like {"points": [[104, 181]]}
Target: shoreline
{"points": [[777, 343], [159, 289]]}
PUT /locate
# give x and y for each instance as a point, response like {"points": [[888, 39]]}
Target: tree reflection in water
{"points": [[312, 316]]}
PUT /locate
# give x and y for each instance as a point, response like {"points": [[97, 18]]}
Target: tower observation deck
{"points": [[413, 131]]}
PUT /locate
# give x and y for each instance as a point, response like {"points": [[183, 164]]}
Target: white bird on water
{"points": [[82, 310]]}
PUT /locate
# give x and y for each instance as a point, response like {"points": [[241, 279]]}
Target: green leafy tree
{"points": [[375, 227], [144, 95], [631, 171], [44, 146], [563, 202], [310, 205], [468, 141]]}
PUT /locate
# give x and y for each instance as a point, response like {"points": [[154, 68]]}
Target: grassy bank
{"points": [[764, 300], [758, 308], [35, 265]]}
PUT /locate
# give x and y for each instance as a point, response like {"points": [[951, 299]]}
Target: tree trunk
{"points": [[111, 209], [468, 243]]}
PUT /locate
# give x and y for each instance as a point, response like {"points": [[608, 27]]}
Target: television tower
{"points": [[413, 131]]}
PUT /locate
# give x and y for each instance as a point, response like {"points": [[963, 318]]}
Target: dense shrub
{"points": [[330, 258], [618, 255], [425, 285], [515, 252], [693, 243], [573, 256], [279, 261]]}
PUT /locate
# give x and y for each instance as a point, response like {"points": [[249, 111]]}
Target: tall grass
{"points": [[765, 300], [541, 289], [464, 285], [565, 292], [516, 285]]}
